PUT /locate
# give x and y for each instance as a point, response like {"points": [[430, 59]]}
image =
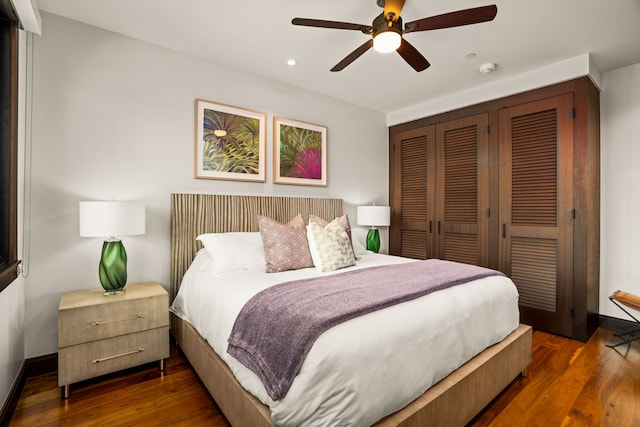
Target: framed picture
{"points": [[229, 142], [300, 152]]}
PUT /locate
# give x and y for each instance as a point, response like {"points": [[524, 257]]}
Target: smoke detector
{"points": [[487, 68]]}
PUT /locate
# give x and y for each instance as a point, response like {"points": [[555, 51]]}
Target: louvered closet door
{"points": [[412, 199], [463, 190], [536, 194]]}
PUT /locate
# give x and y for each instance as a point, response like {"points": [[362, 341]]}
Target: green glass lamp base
{"points": [[113, 267], [373, 240]]}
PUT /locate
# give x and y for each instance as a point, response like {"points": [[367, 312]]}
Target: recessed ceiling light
{"points": [[291, 62]]}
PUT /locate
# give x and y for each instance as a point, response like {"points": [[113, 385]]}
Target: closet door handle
{"points": [[430, 227], [438, 227], [504, 231]]}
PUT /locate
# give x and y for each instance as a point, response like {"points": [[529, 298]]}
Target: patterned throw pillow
{"points": [[285, 245], [330, 246], [343, 220]]}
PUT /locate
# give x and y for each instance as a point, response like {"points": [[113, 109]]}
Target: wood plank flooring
{"points": [[569, 383]]}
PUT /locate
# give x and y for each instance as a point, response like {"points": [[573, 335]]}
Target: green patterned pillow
{"points": [[330, 246]]}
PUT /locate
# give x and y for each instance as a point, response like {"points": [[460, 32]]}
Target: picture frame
{"points": [[230, 142], [299, 152]]}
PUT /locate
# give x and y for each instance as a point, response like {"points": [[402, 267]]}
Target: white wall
{"points": [[12, 298], [620, 186], [114, 117], [12, 313]]}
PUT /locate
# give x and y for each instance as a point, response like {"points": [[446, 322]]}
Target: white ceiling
{"points": [[257, 36]]}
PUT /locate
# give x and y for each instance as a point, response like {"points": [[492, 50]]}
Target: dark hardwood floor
{"points": [[569, 383]]}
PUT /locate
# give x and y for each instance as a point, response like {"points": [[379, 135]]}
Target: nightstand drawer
{"points": [[84, 361], [91, 323]]}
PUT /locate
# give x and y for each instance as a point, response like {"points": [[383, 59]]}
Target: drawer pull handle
{"points": [[129, 353], [106, 322]]}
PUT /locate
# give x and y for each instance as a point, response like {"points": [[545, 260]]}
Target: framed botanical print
{"points": [[300, 152], [229, 142]]}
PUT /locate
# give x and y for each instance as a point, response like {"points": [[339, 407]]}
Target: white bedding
{"points": [[364, 369]]}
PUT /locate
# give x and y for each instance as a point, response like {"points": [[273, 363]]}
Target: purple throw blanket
{"points": [[276, 328]]}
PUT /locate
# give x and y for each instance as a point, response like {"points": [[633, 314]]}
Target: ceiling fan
{"points": [[386, 30]]}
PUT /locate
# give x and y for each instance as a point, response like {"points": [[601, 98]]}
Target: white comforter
{"points": [[364, 369]]}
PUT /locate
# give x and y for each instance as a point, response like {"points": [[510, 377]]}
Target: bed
{"points": [[453, 400]]}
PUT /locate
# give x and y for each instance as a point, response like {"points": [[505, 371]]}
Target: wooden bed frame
{"points": [[453, 401]]}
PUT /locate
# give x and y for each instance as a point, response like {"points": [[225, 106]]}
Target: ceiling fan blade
{"points": [[353, 55], [394, 7], [320, 23], [453, 19], [412, 56]]}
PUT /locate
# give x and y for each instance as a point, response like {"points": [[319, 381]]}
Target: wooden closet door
{"points": [[412, 195], [536, 203], [462, 190]]}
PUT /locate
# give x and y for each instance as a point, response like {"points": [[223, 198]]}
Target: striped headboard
{"points": [[195, 214]]}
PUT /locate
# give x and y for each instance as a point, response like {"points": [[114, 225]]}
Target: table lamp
{"points": [[110, 219], [374, 216]]}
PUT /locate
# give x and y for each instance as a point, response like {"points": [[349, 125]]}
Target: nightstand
{"points": [[99, 334]]}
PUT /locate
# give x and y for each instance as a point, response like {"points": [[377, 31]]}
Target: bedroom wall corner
{"points": [[114, 118], [620, 186]]}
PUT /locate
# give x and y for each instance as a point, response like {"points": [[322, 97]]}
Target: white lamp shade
{"points": [[111, 219], [374, 216]]}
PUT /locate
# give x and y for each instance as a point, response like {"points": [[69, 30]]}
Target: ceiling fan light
{"points": [[387, 41]]}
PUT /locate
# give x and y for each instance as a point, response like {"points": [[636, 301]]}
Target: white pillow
{"points": [[234, 251], [330, 246], [358, 237]]}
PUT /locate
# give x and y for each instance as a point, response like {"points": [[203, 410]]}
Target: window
{"points": [[8, 151]]}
